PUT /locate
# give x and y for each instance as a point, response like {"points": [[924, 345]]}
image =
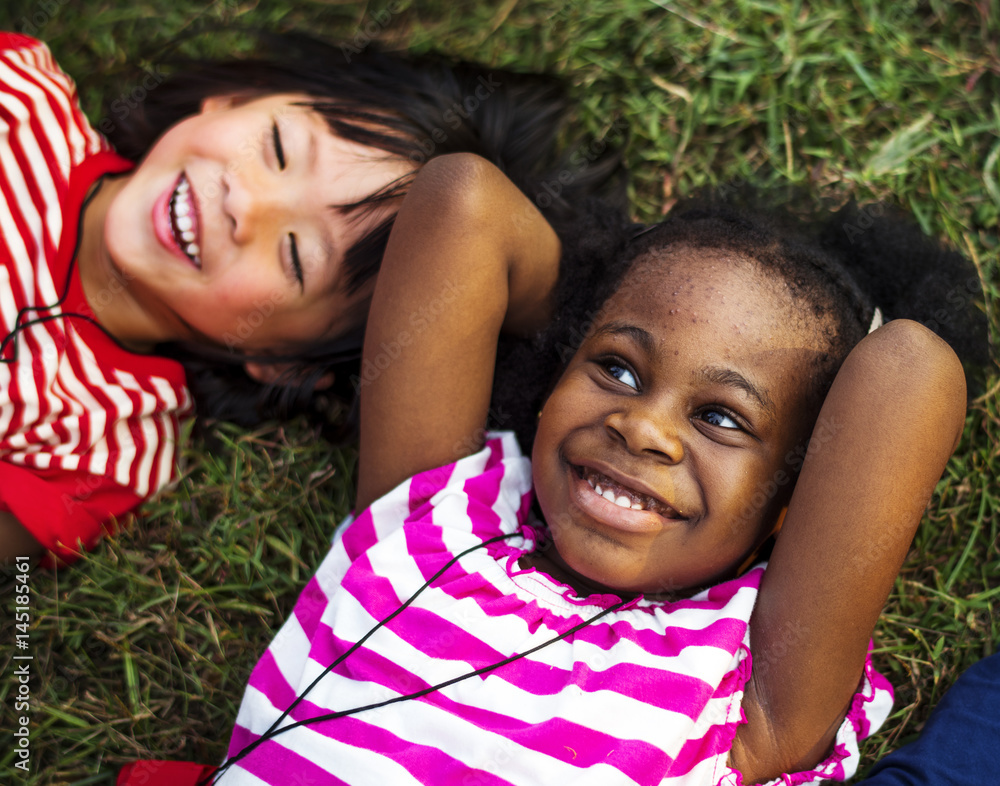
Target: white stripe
{"points": [[96, 459], [28, 210], [8, 309], [240, 777], [145, 451], [121, 447], [620, 715], [164, 468], [40, 172], [81, 138], [354, 765], [617, 714]]}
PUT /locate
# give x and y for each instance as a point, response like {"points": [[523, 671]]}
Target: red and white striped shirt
{"points": [[649, 694], [87, 429]]}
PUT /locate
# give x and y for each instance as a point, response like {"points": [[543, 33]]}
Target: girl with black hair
{"points": [[244, 243], [721, 376]]}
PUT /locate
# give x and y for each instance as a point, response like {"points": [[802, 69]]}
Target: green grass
{"points": [[142, 649]]}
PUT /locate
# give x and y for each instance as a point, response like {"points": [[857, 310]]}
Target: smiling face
{"points": [[226, 233], [662, 455]]}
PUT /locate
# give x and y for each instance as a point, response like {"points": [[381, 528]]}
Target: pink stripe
{"points": [[718, 739], [359, 536], [440, 639], [426, 485], [483, 492], [375, 595], [267, 678], [586, 747], [309, 608], [275, 764]]}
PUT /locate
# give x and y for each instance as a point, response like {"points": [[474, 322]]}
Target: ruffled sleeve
{"points": [[869, 708]]}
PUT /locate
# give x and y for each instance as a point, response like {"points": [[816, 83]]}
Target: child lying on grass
{"points": [[729, 365]]}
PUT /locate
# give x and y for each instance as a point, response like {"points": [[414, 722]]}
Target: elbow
{"points": [[916, 368]]}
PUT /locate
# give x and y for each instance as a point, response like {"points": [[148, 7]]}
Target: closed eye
{"points": [[279, 151], [296, 261]]}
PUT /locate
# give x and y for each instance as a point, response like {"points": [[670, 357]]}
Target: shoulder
{"points": [[41, 104], [18, 42], [26, 63], [486, 492], [498, 469]]}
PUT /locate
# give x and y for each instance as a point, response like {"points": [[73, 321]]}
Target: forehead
{"points": [[710, 312], [708, 282]]}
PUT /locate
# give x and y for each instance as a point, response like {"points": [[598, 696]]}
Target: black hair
{"points": [[413, 108], [838, 265]]}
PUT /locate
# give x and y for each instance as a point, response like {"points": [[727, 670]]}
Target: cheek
{"points": [[756, 508], [180, 137], [246, 288]]}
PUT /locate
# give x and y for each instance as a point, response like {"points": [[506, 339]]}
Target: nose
{"points": [[253, 203], [645, 432]]}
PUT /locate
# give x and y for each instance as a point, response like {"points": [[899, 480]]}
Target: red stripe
{"points": [[27, 290], [67, 112], [44, 135]]}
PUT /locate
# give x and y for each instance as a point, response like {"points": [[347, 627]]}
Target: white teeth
{"points": [[183, 221], [621, 500]]}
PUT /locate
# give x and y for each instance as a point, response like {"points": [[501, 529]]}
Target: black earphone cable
{"points": [[20, 326], [274, 731]]}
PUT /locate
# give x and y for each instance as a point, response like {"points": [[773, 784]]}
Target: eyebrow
{"points": [[637, 334], [734, 379]]}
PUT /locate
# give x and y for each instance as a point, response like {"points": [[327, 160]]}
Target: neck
{"points": [[549, 562], [105, 287]]}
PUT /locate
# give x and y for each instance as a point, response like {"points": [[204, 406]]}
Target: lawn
{"points": [[142, 649]]}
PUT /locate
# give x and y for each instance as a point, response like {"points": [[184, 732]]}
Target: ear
{"points": [[279, 374]]}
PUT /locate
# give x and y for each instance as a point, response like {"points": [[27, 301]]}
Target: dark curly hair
{"points": [[839, 266], [414, 108]]}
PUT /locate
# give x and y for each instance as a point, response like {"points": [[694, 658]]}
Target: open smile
{"points": [[615, 504], [177, 223], [184, 220]]}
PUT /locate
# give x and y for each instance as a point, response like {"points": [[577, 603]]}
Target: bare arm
{"points": [[469, 255], [884, 434]]}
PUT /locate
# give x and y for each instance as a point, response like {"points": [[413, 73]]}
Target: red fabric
{"points": [[77, 510], [153, 772]]}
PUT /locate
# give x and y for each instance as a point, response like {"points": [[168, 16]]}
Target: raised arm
{"points": [[469, 255], [884, 434]]}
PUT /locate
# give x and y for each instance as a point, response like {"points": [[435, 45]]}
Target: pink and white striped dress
{"points": [[649, 694]]}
